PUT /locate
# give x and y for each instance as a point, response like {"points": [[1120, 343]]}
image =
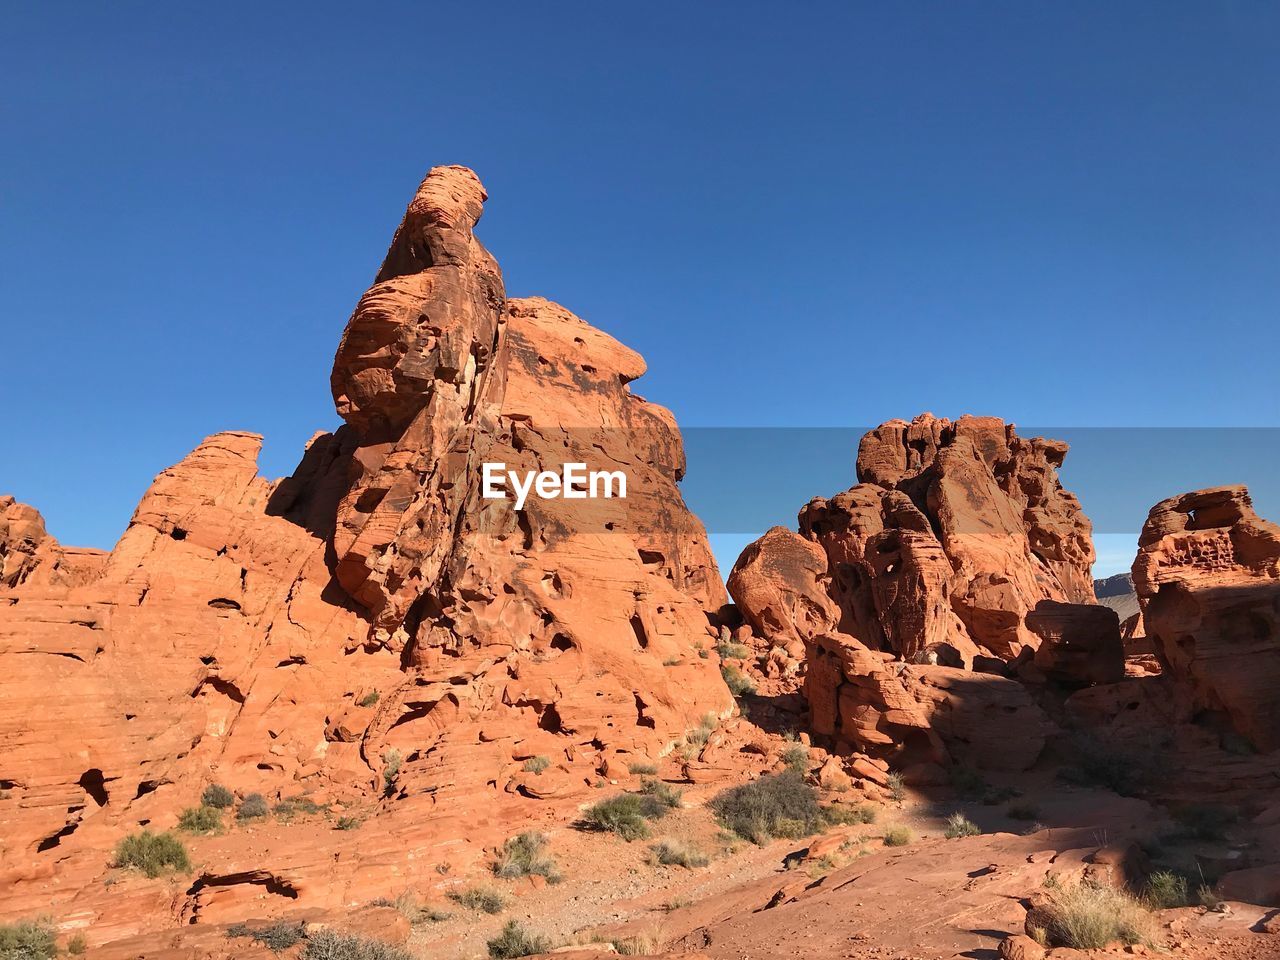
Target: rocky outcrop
{"points": [[959, 550], [1208, 577], [371, 632], [918, 713]]}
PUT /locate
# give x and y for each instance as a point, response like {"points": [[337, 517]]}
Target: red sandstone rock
{"points": [[1208, 578], [955, 534], [1079, 642], [240, 627], [919, 713]]}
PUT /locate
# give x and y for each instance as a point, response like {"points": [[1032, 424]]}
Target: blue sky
{"points": [[816, 215]]}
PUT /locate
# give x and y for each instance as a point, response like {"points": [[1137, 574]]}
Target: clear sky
{"points": [[814, 214]]}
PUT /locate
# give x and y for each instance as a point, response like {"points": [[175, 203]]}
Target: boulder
{"points": [[1079, 643], [1207, 576]]}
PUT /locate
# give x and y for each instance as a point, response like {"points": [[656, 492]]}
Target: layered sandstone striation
{"points": [[959, 550], [1207, 576], [370, 633]]}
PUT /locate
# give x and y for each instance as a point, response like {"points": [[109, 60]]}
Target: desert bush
{"points": [[777, 805], [738, 682], [897, 787], [796, 756], [639, 945], [897, 836], [702, 732], [391, 761], [348, 823], [843, 814], [277, 936], [331, 945], [1166, 889], [1100, 765], [1208, 898], [1023, 811], [659, 795], [641, 767], [485, 899], [217, 796], [27, 940], [253, 807], [77, 946], [200, 820], [1204, 821], [151, 853], [623, 815], [967, 781], [522, 856], [536, 764], [1089, 916], [673, 853], [958, 825], [733, 651], [369, 699], [516, 941]]}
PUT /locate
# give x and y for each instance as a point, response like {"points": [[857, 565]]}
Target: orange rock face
{"points": [[1208, 578], [940, 557], [370, 632]]}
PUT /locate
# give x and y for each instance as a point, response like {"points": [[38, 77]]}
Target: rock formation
{"points": [[1208, 577], [944, 556], [371, 630]]}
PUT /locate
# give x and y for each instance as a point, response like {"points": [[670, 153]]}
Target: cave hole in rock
{"points": [[94, 784]]}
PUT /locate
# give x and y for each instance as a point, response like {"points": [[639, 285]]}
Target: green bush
{"points": [[348, 823], [898, 836], [369, 699], [200, 820], [1166, 889], [738, 682], [1100, 765], [733, 651], [522, 856], [152, 853], [516, 941], [27, 940], [843, 814], [958, 825], [660, 795], [217, 796], [253, 807], [967, 781], [1023, 811], [796, 756], [1089, 916], [675, 853], [623, 815], [330, 945], [1205, 821], [776, 805], [536, 764], [391, 761], [897, 787], [277, 936], [484, 899]]}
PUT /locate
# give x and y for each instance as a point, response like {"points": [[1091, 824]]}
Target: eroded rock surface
{"points": [[1208, 577], [370, 632], [958, 550]]}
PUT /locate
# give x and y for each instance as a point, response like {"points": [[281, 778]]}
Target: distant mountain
{"points": [[1117, 593]]}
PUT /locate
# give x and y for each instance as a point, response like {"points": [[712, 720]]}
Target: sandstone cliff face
{"points": [[941, 557], [292, 637], [1207, 576]]}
